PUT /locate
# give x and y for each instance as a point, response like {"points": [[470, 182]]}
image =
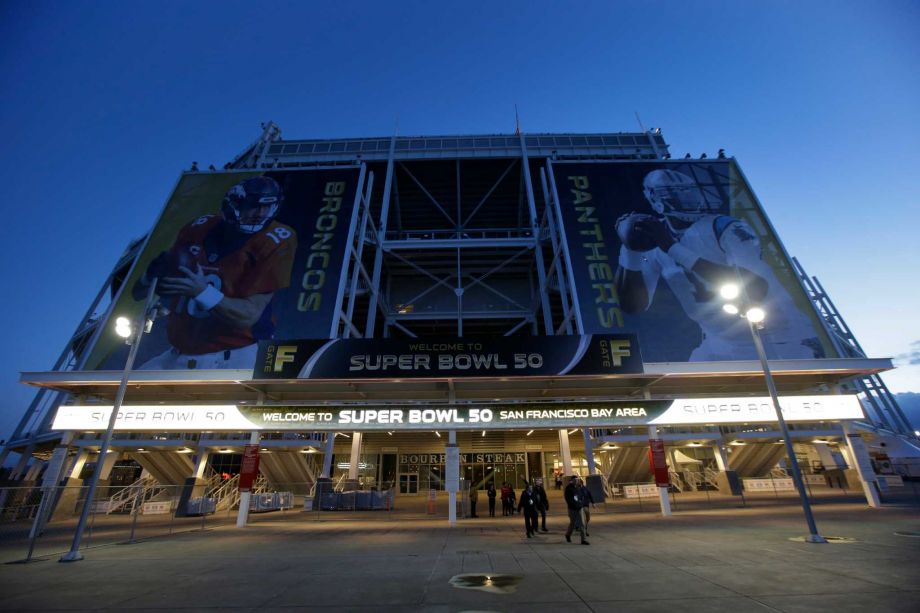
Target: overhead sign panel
{"points": [[471, 417], [499, 356], [652, 243], [239, 257]]}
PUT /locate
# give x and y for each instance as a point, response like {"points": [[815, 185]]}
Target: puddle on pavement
{"points": [[829, 539], [492, 583], [906, 533]]}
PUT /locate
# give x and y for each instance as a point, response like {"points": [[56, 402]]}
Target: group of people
{"points": [[534, 504], [579, 501]]}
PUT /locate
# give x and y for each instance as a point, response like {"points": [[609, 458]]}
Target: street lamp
{"points": [[755, 316], [132, 335]]}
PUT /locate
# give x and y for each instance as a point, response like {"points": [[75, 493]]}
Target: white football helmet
{"points": [[674, 194]]}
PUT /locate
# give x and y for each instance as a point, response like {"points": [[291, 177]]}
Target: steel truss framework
{"points": [[463, 238]]}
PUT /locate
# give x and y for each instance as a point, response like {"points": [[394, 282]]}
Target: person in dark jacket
{"points": [[528, 505], [573, 501], [507, 508], [587, 502], [491, 493], [543, 501], [474, 497]]}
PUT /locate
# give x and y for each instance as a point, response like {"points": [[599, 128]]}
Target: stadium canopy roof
{"points": [[660, 380]]}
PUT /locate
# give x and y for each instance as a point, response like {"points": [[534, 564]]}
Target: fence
{"points": [[38, 522], [774, 489]]}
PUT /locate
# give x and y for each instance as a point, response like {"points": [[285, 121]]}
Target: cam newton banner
{"points": [[273, 244], [465, 357], [650, 245], [474, 417]]}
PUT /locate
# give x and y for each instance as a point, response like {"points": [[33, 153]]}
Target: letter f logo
{"points": [[619, 350], [284, 355]]}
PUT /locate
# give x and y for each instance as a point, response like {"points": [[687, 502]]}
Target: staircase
{"points": [[132, 496]]}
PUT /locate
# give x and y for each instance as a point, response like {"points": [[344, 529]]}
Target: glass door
{"points": [[408, 483]]}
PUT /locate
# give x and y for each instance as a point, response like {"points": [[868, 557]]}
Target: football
{"points": [[631, 230], [168, 262]]}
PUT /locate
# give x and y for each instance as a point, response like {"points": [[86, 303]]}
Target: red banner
{"points": [[658, 463], [249, 468]]}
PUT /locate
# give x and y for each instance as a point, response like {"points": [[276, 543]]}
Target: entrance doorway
{"points": [[408, 483]]}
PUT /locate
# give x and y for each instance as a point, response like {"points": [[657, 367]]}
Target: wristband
{"points": [[683, 256], [631, 260], [209, 298]]}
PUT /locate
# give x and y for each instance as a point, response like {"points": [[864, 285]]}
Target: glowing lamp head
{"points": [[730, 291], [123, 327], [755, 315], [730, 308]]}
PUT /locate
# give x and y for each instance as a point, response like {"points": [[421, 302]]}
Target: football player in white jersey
{"points": [[696, 250]]}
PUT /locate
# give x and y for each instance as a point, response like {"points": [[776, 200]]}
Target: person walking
{"points": [[558, 481], [491, 493], [542, 501], [528, 505], [587, 502], [574, 503], [474, 496], [506, 496]]}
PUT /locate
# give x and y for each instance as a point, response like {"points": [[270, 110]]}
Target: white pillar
{"points": [[78, 464], [825, 455], [863, 464], [201, 463], [721, 455], [565, 452], [20, 466], [242, 515], [453, 470], [663, 499], [672, 459], [327, 456], [355, 456], [589, 451], [34, 469], [108, 463], [847, 456]]}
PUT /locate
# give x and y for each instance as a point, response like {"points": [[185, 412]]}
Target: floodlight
{"points": [[123, 327], [730, 291], [755, 315]]}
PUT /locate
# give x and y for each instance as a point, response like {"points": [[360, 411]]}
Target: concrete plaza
{"points": [[725, 559]]}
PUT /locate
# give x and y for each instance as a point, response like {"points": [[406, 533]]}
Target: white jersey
{"points": [[726, 337]]}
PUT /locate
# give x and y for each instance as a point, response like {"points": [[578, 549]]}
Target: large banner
{"points": [[238, 258], [651, 244], [246, 418], [498, 356]]}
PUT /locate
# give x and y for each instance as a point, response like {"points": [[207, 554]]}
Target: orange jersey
{"points": [[248, 264]]}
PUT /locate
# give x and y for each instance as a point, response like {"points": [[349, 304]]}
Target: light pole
{"points": [[132, 336], [755, 317]]}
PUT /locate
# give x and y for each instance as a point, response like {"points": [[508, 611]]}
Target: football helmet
{"points": [[674, 194], [251, 204]]}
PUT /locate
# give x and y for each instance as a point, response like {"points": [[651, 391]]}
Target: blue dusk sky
{"points": [[104, 103]]}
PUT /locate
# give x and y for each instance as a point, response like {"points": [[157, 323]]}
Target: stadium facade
{"points": [[401, 313]]}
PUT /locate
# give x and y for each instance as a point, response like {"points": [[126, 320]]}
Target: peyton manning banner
{"points": [[239, 257]]}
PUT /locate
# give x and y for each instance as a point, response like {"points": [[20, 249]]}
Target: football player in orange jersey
{"points": [[218, 279]]}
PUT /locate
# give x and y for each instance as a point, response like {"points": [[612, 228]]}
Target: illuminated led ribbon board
{"points": [[682, 411], [537, 356]]}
